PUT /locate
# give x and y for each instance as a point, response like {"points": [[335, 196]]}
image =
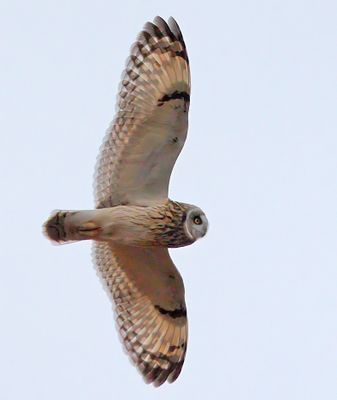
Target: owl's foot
{"points": [[89, 230]]}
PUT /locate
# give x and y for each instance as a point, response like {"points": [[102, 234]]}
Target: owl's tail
{"points": [[68, 226]]}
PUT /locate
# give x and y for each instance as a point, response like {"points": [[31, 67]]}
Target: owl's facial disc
{"points": [[196, 223]]}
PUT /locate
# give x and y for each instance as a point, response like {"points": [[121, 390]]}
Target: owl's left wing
{"points": [[150, 126], [148, 293]]}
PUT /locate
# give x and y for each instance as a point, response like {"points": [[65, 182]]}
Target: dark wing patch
{"points": [[136, 161], [174, 96], [176, 313], [149, 306]]}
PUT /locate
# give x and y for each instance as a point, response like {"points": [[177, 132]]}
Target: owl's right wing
{"points": [[148, 294], [150, 126]]}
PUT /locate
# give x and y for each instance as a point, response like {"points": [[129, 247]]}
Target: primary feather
{"points": [[150, 126]]}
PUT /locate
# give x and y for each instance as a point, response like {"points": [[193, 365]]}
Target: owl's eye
{"points": [[197, 220]]}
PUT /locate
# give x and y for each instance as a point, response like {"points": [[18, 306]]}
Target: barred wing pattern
{"points": [[150, 126], [134, 167], [148, 293]]}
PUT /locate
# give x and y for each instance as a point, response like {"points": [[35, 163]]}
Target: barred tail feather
{"points": [[69, 226]]}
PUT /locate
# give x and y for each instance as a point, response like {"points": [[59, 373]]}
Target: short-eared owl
{"points": [[134, 222]]}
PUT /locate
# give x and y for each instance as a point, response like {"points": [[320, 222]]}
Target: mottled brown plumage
{"points": [[134, 222], [143, 293], [163, 224]]}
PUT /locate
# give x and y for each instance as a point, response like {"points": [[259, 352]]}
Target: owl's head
{"points": [[196, 223], [177, 224]]}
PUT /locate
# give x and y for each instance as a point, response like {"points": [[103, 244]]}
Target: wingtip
{"points": [[173, 24]]}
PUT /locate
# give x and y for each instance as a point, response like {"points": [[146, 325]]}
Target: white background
{"points": [[261, 160]]}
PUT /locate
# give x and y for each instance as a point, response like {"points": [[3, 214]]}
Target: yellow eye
{"points": [[197, 220]]}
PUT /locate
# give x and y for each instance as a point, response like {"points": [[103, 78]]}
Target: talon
{"points": [[89, 229]]}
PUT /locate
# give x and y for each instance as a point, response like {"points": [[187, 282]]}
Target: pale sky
{"points": [[260, 160]]}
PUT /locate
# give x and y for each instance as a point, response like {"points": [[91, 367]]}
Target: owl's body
{"points": [[134, 222], [168, 224]]}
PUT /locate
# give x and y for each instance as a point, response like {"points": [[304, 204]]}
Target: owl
{"points": [[134, 222]]}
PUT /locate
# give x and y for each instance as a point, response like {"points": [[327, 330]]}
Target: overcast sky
{"points": [[260, 159]]}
